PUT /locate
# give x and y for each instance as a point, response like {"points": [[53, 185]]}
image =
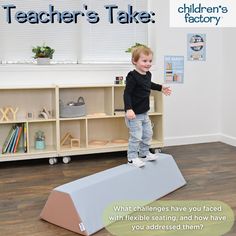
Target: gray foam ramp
{"points": [[79, 205]]}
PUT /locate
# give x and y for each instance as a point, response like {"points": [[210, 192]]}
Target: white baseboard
{"points": [[193, 139], [228, 139]]}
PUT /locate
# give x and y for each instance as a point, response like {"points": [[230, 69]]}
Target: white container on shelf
{"points": [[43, 61]]}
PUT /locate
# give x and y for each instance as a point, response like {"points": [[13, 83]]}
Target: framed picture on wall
{"points": [[174, 69], [196, 47]]}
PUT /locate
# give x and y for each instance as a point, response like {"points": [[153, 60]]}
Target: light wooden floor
{"points": [[209, 169]]}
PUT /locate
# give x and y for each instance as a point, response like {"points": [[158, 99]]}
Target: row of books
{"points": [[16, 139]]}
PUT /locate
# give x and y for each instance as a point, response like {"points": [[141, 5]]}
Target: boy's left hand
{"points": [[166, 90]]}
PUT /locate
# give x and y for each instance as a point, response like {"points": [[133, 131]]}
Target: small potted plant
{"points": [[43, 54]]}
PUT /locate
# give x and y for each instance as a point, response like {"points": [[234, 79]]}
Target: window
{"points": [[82, 42]]}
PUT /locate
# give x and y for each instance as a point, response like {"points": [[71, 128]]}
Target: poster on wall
{"points": [[196, 47], [174, 69]]}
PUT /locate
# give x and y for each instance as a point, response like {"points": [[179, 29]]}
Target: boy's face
{"points": [[144, 63]]}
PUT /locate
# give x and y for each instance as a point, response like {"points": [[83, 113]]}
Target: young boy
{"points": [[136, 101]]}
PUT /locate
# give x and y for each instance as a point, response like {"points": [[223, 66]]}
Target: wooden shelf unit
{"points": [[101, 130]]}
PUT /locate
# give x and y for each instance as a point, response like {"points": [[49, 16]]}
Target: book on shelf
{"points": [[17, 139], [13, 138], [25, 137], [9, 139]]}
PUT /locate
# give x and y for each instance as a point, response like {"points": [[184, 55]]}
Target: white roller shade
{"points": [[83, 42], [106, 42]]}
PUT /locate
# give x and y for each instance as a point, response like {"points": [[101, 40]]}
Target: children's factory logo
{"points": [[202, 13]]}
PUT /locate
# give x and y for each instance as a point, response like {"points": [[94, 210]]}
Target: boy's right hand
{"points": [[130, 114]]}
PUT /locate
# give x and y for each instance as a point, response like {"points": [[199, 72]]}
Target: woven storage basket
{"points": [[74, 109]]}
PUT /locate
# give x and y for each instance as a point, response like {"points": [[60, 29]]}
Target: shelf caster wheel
{"points": [[66, 160], [52, 161]]}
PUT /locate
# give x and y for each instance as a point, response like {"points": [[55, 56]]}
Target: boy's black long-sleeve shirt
{"points": [[137, 91]]}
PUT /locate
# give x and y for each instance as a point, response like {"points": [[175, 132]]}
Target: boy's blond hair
{"points": [[137, 51]]}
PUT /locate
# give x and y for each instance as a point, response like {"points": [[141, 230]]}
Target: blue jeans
{"points": [[140, 130]]}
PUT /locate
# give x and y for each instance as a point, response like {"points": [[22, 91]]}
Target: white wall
{"points": [[228, 88], [192, 113]]}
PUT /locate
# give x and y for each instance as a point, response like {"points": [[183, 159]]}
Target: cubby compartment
{"points": [[158, 101], [118, 100], [98, 100], [155, 101], [49, 130], [107, 132], [73, 135], [29, 103], [157, 124], [10, 141]]}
